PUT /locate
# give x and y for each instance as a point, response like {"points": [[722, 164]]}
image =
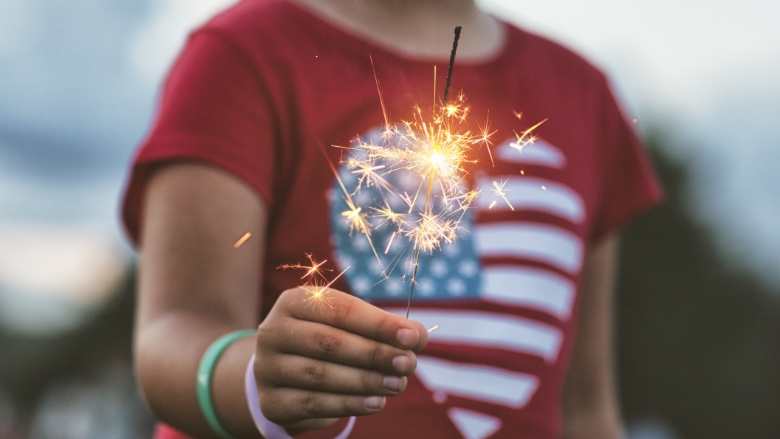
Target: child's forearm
{"points": [[168, 351], [194, 287], [597, 423], [589, 401]]}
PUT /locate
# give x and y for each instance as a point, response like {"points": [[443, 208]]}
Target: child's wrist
{"points": [[267, 428]]}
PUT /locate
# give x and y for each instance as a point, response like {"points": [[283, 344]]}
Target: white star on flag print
{"points": [[519, 265]]}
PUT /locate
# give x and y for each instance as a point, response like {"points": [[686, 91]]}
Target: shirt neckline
{"points": [[509, 46]]}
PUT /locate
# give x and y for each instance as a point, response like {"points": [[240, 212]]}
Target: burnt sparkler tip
{"points": [[452, 64]]}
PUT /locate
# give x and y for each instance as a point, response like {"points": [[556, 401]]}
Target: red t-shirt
{"points": [[256, 92]]}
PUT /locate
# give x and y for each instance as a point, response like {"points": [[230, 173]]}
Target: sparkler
{"points": [[433, 153]]}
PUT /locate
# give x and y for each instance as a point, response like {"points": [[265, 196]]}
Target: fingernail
{"points": [[405, 337], [392, 383], [374, 402], [402, 363]]}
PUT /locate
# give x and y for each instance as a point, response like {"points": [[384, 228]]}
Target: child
{"points": [[522, 301]]}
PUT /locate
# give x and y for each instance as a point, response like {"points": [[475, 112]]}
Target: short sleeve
{"points": [[627, 183], [214, 108]]}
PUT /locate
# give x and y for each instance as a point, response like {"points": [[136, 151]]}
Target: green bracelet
{"points": [[205, 374]]}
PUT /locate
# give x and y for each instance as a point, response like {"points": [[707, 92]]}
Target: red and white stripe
{"points": [[539, 262]]}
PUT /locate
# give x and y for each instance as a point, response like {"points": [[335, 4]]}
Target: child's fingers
{"points": [[286, 406], [323, 342], [354, 315], [293, 371]]}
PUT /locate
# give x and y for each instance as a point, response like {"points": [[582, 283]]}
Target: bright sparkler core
{"points": [[436, 154]]}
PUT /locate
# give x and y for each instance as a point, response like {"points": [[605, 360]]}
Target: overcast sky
{"points": [[78, 81]]}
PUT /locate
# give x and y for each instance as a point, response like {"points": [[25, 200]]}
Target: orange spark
{"points": [[316, 285], [311, 270], [242, 240], [318, 293], [525, 138], [499, 192], [390, 243]]}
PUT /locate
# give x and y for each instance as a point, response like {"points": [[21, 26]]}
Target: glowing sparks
{"points": [[525, 138], [499, 192], [357, 219], [392, 237], [435, 154], [433, 328], [313, 271], [318, 292], [388, 214], [432, 153], [317, 285], [242, 240], [484, 138]]}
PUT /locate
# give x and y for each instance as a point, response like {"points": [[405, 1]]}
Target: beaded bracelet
{"points": [[268, 429], [205, 375]]}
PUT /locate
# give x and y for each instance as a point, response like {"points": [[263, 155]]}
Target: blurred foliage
{"points": [[698, 342], [29, 362], [32, 366]]}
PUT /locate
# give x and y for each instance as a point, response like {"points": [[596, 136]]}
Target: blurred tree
{"points": [[79, 360], [698, 342]]}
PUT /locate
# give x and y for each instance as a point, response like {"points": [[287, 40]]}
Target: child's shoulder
{"points": [[255, 18], [548, 57], [279, 27]]}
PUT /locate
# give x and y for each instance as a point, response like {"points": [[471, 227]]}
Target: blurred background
{"points": [[699, 287]]}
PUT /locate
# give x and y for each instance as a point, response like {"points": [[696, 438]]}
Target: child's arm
{"points": [[589, 398], [194, 287]]}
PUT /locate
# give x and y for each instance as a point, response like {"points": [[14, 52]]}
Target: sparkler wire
{"points": [[431, 176], [452, 64]]}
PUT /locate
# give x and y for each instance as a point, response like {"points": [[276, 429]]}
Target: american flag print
{"points": [[451, 272], [505, 268]]}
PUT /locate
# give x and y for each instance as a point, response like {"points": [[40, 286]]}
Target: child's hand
{"points": [[318, 361]]}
